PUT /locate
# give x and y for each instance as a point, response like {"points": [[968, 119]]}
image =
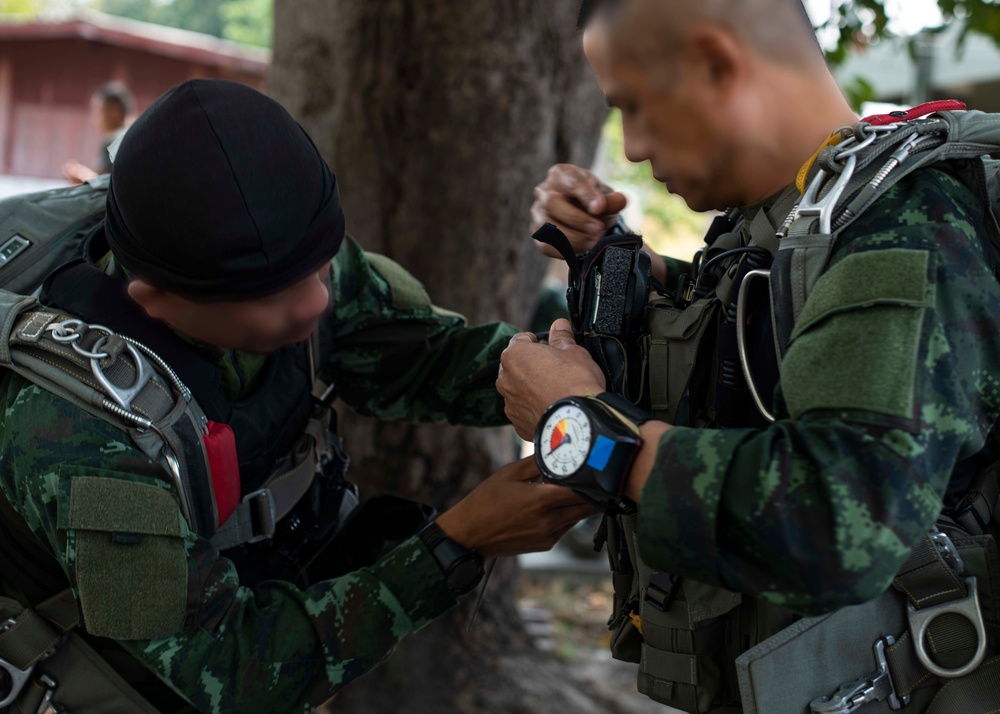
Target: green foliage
{"points": [[20, 7], [858, 91], [860, 22], [248, 21]]}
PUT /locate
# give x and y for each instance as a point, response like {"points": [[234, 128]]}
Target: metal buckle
{"points": [[18, 677], [123, 396], [812, 205], [46, 706], [947, 550], [262, 502], [967, 607], [851, 696]]}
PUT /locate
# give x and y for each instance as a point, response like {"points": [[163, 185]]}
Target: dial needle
{"points": [[567, 440]]}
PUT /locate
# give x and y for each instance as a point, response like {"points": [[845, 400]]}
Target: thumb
{"points": [[615, 203], [597, 203], [561, 334]]}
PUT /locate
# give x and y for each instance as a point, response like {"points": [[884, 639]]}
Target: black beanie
{"points": [[218, 194]]}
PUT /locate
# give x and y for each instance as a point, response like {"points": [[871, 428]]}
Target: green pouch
{"points": [[674, 343], [127, 557], [686, 662]]}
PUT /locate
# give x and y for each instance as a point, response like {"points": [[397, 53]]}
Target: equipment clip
{"points": [[851, 696]]}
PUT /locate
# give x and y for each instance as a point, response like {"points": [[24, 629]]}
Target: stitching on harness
{"points": [[20, 622], [74, 376]]}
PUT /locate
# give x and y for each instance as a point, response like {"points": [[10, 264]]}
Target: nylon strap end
{"points": [[550, 235]]}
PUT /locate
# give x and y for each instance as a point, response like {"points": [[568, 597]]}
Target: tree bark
{"points": [[438, 118]]}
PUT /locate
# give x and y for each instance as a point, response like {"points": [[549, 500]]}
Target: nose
{"points": [[314, 300], [635, 143]]}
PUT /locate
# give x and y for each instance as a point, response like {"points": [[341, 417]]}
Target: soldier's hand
{"points": [[532, 375], [578, 203], [511, 512]]}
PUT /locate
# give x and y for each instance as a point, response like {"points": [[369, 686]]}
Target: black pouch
{"points": [[607, 295]]}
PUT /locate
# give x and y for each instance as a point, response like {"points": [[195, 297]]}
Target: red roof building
{"points": [[49, 70]]}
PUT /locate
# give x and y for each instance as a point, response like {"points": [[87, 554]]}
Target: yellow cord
{"points": [[800, 181]]}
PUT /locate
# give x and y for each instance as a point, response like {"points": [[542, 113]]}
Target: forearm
{"points": [[277, 647], [394, 355], [812, 514]]}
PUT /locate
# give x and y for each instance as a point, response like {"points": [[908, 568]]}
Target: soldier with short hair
{"points": [[821, 446]]}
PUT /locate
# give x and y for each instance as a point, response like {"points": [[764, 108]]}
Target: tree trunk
{"points": [[438, 118]]}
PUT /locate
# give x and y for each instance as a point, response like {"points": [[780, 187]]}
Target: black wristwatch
{"points": [[588, 444], [462, 567]]}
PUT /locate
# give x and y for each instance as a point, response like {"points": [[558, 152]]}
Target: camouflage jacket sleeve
{"points": [[891, 386], [396, 356], [142, 578]]}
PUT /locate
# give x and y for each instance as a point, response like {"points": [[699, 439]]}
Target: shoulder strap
{"points": [[851, 176], [117, 380]]}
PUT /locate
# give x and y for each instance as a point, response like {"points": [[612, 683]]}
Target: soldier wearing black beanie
{"points": [[209, 204]]}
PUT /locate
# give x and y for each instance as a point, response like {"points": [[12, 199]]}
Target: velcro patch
{"points": [[407, 292], [130, 563], [897, 276], [857, 342]]}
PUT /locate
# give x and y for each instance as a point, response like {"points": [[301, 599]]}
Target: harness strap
{"points": [[37, 632], [255, 517], [978, 693], [927, 579]]}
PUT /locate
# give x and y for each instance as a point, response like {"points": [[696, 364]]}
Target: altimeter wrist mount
{"points": [[588, 444]]}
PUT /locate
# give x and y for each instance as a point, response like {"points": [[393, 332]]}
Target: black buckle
{"points": [[662, 590]]}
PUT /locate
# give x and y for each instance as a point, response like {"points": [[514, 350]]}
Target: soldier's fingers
{"points": [[561, 334], [616, 203], [562, 209], [528, 337]]}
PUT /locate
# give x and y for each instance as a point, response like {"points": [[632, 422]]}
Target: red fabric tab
{"points": [[220, 444], [942, 105]]}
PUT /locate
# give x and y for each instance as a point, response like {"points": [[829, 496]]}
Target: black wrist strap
{"points": [[625, 407]]}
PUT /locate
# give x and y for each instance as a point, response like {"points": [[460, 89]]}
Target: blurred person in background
{"points": [[111, 108]]}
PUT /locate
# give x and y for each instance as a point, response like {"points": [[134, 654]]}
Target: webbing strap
{"points": [[36, 632], [904, 666], [926, 579], [285, 490], [978, 693], [680, 668], [11, 307], [763, 232]]}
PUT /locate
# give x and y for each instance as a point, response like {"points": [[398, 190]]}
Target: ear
{"points": [[156, 302], [717, 57]]}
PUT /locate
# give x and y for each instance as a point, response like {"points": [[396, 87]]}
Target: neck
{"points": [[812, 108]]}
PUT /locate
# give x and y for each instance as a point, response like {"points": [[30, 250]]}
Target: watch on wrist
{"points": [[588, 444], [462, 567]]}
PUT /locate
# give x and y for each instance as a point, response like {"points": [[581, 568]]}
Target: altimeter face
{"points": [[565, 441]]}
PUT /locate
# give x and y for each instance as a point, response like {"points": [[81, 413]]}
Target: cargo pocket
{"points": [[127, 557], [856, 344], [685, 659], [675, 339]]}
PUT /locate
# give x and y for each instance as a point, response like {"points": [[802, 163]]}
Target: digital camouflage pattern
{"points": [[274, 647], [885, 403]]}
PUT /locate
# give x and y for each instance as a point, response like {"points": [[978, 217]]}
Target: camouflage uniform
{"points": [[269, 647], [888, 392]]}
